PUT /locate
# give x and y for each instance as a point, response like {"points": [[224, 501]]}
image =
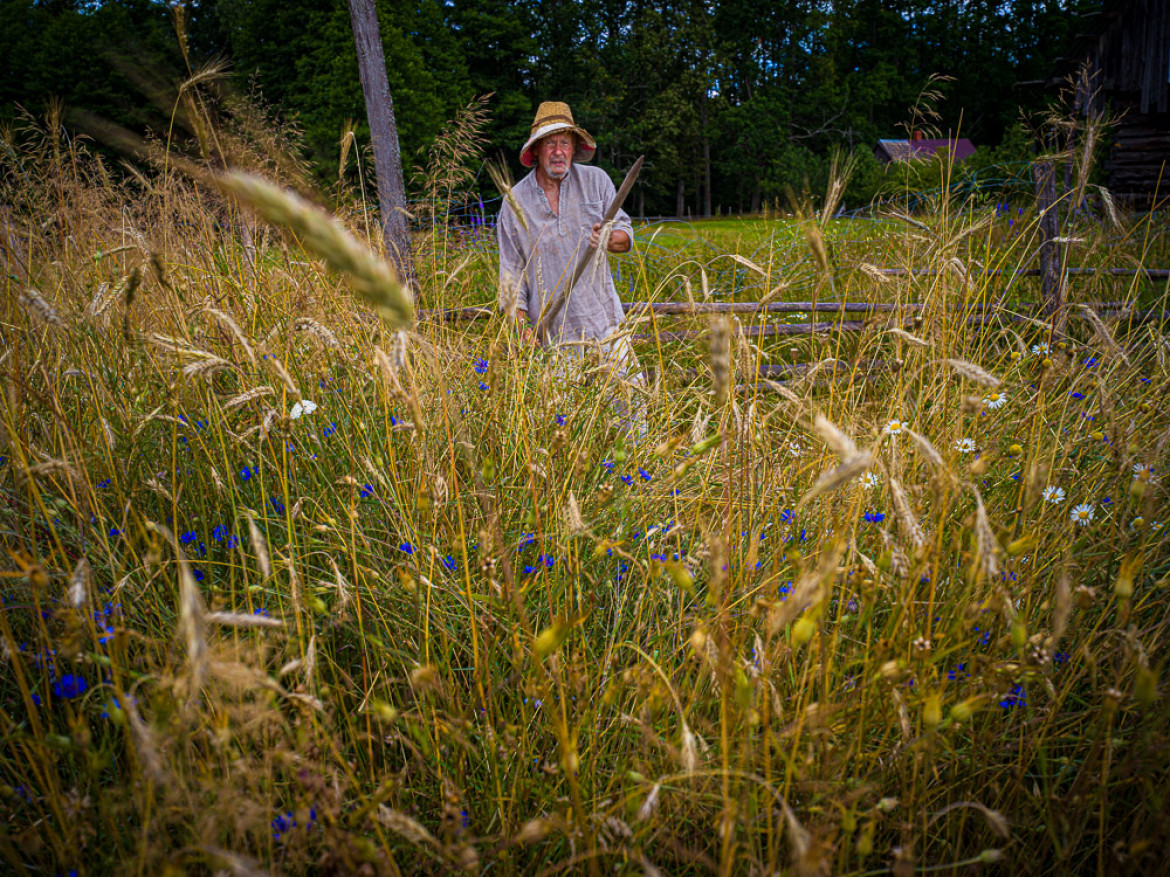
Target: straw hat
{"points": [[553, 116]]}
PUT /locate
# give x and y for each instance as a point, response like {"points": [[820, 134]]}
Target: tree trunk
{"points": [[678, 203], [706, 164], [1051, 257], [384, 133]]}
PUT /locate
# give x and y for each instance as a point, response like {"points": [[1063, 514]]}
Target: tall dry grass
{"points": [[292, 588]]}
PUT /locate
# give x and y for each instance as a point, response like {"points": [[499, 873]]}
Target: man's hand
{"points": [[619, 241], [524, 327]]}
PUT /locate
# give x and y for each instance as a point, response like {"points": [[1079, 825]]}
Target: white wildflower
{"points": [[965, 446], [1053, 495], [302, 407], [995, 400], [1082, 514], [869, 481], [1041, 349], [1144, 472], [894, 426]]}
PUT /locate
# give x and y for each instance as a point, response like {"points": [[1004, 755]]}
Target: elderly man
{"points": [[562, 202]]}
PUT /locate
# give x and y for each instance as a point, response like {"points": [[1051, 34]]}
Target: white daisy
{"points": [[1053, 495], [302, 407], [995, 400], [895, 426], [869, 481], [1082, 514], [965, 445], [1144, 472], [795, 449], [1040, 349]]}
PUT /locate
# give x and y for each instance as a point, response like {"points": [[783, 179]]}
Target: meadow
{"points": [[299, 577]]}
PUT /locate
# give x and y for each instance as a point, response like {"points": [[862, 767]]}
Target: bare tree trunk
{"points": [[1051, 256], [706, 164], [679, 199], [384, 133]]}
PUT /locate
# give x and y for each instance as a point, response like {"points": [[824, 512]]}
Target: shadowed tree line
{"points": [[732, 103]]}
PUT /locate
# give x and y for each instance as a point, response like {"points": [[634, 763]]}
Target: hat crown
{"points": [[551, 112]]}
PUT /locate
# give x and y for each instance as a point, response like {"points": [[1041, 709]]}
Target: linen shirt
{"points": [[535, 264]]}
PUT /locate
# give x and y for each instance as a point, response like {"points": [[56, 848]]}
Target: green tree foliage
{"points": [[733, 103]]}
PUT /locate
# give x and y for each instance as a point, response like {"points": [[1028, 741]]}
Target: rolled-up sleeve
{"points": [[513, 280]]}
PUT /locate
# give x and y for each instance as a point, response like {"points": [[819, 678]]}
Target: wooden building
{"points": [[1126, 58], [920, 148]]}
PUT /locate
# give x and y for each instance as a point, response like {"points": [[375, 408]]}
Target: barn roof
{"points": [[909, 150]]}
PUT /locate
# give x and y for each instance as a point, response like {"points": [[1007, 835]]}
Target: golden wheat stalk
{"points": [[324, 236]]}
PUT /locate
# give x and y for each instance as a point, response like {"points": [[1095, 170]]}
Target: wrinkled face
{"points": [[554, 153]]}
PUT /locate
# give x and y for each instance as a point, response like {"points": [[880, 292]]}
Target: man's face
{"points": [[555, 154]]}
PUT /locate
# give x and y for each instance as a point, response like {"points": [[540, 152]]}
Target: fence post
{"points": [[1051, 257]]}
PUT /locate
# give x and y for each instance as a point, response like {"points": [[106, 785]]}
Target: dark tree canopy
{"points": [[731, 102]]}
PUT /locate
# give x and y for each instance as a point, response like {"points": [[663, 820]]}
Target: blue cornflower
{"points": [[526, 540], [262, 612], [406, 547], [481, 366], [449, 562], [197, 573], [1060, 658], [875, 517], [246, 473], [188, 537], [329, 430], [114, 531], [646, 476], [367, 490], [561, 420], [627, 479], [69, 686], [1014, 699], [105, 483], [277, 505], [1091, 362], [608, 464], [232, 541], [219, 532], [957, 673], [1077, 395], [483, 386]]}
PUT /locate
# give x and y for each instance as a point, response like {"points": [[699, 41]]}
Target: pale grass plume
{"points": [[689, 749], [574, 523], [406, 827], [650, 805], [907, 337], [324, 237], [207, 367], [145, 745], [242, 619], [928, 449], [996, 820], [285, 378], [38, 306], [851, 467], [873, 272], [841, 443], [79, 584], [311, 327], [906, 517], [1103, 333], [986, 546], [260, 546], [249, 396], [232, 326], [747, 263], [720, 357], [972, 372]]}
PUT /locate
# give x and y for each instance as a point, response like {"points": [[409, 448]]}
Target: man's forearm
{"points": [[619, 242]]}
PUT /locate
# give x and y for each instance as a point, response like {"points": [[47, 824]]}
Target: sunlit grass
{"points": [[454, 614]]}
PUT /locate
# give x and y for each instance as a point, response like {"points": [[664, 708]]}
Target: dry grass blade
{"points": [[242, 619], [251, 395], [1103, 333], [260, 546], [840, 442], [851, 468], [907, 337], [36, 304], [929, 450], [145, 746], [906, 516], [986, 546], [79, 584], [405, 827], [233, 327], [996, 820], [747, 263], [324, 237], [972, 372]]}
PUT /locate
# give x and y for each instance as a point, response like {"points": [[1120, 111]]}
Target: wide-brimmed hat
{"points": [[553, 116]]}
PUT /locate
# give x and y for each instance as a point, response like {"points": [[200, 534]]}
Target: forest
{"points": [[734, 104]]}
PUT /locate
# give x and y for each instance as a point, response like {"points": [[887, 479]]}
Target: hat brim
{"points": [[586, 145]]}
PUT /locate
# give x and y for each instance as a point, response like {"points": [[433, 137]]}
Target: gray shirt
{"points": [[537, 263]]}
